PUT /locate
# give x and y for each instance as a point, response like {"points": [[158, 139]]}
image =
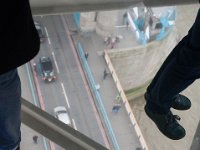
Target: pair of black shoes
{"points": [[167, 123]]}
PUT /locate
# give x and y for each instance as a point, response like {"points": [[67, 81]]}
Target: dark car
{"points": [[47, 71], [40, 31]]}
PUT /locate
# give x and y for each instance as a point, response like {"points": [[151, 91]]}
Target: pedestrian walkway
{"points": [[27, 139], [26, 132], [123, 128]]}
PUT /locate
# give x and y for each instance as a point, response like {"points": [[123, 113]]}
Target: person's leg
{"points": [[169, 58], [180, 69], [10, 110], [185, 104]]}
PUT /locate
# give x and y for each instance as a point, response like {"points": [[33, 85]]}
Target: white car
{"points": [[62, 115]]}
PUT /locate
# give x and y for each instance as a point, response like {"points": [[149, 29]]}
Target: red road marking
{"points": [[41, 101]]}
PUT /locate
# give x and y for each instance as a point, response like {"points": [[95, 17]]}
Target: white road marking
{"points": [[47, 35], [55, 62], [74, 124], [64, 92]]}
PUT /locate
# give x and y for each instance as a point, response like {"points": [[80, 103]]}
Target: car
{"points": [[46, 67], [62, 115], [40, 31]]}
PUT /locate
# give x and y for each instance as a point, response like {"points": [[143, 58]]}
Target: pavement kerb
{"points": [[125, 101]]}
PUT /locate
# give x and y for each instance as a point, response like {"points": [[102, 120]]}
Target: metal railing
{"points": [[56, 131], [97, 97], [46, 124], [40, 7]]}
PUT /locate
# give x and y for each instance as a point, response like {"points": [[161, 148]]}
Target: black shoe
{"points": [[167, 124], [181, 102]]}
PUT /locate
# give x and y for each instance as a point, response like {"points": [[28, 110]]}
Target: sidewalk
{"points": [[120, 122], [27, 139], [26, 132]]}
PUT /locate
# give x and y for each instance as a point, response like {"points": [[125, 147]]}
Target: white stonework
{"points": [[88, 21]]}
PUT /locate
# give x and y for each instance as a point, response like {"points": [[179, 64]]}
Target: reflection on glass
{"points": [[127, 35]]}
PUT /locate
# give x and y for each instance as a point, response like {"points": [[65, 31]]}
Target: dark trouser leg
{"points": [[10, 110], [181, 68]]}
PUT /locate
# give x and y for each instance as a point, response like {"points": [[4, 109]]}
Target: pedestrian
{"points": [[127, 24], [117, 39], [113, 42], [180, 69], [97, 87], [125, 15], [19, 44], [118, 98], [35, 139], [35, 67], [86, 55], [116, 108], [107, 40], [104, 74], [125, 18]]}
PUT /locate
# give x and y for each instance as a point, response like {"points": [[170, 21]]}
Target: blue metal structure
{"points": [[76, 16], [151, 23], [97, 96]]}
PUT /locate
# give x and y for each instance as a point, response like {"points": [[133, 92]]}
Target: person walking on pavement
{"points": [[107, 40], [105, 73], [116, 108], [35, 139], [113, 42], [125, 18], [180, 69], [86, 55], [118, 98]]}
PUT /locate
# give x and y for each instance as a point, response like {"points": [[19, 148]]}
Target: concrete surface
{"points": [[137, 65]]}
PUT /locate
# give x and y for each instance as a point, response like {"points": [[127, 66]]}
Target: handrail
{"points": [[42, 7], [56, 131]]}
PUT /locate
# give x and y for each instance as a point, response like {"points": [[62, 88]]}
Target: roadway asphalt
{"points": [[69, 89]]}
